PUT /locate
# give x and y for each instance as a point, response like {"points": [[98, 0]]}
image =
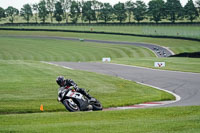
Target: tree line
{"points": [[88, 11]]}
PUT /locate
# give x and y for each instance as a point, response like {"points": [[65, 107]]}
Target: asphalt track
{"points": [[184, 84], [158, 50]]}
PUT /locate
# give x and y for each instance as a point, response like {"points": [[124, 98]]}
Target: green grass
{"points": [[158, 120], [175, 64], [176, 45], [25, 85], [61, 50], [191, 31]]}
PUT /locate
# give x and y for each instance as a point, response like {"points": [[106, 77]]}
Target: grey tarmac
{"points": [[184, 84]]}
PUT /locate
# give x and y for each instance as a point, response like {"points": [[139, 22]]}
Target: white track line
{"points": [[56, 65], [148, 104], [142, 105], [178, 98]]}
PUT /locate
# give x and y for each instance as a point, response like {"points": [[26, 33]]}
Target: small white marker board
{"points": [[159, 64], [106, 59]]}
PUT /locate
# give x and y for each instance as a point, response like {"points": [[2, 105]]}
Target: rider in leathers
{"points": [[67, 83]]}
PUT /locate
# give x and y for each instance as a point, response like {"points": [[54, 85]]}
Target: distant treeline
{"points": [[94, 11]]}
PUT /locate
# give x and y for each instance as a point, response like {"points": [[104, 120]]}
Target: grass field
{"points": [[175, 64], [154, 120], [191, 31], [176, 45], [61, 50], [26, 83]]}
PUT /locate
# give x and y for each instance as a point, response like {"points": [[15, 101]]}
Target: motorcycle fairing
{"points": [[81, 100]]}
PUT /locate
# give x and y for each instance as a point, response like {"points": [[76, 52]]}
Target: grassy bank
{"points": [[159, 120], [25, 85], [176, 45], [175, 64], [61, 50]]}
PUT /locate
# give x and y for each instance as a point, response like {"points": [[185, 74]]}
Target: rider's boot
{"points": [[91, 99]]}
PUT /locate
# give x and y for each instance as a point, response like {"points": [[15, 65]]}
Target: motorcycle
{"points": [[75, 101]]}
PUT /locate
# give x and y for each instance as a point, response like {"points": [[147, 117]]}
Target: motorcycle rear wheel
{"points": [[97, 106], [70, 107]]}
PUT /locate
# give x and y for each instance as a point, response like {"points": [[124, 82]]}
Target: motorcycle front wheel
{"points": [[70, 107]]}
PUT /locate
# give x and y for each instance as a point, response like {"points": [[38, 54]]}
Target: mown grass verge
{"points": [[25, 85], [175, 63], [176, 45], [159, 120], [61, 50]]}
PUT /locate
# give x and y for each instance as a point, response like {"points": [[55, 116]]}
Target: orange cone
{"points": [[41, 107]]}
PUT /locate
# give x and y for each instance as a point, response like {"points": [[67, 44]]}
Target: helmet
{"points": [[60, 81]]}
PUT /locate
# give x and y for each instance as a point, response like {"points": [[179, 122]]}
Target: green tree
{"points": [[2, 13], [174, 10], [129, 5], [58, 11], [81, 9], [11, 12], [140, 11], [191, 12], [36, 9], [74, 11], [198, 4], [88, 13], [96, 6], [66, 4], [50, 8], [42, 7], [120, 12], [106, 12], [26, 12], [58, 18], [156, 10]]}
